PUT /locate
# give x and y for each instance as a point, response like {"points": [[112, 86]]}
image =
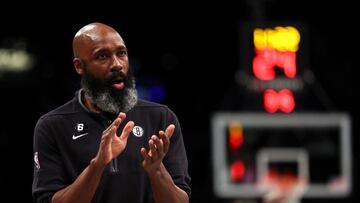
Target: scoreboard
{"points": [[273, 62]]}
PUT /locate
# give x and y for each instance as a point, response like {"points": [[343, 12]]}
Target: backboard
{"points": [[250, 147]]}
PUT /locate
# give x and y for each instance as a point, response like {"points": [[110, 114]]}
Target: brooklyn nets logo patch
{"points": [[138, 131]]}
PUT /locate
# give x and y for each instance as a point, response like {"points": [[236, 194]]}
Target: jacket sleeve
{"points": [[175, 160], [49, 175]]}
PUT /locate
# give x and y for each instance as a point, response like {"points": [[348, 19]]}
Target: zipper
{"points": [[113, 166]]}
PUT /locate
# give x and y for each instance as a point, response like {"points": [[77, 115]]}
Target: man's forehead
{"points": [[96, 36]]}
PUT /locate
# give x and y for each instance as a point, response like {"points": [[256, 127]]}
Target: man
{"points": [[106, 145]]}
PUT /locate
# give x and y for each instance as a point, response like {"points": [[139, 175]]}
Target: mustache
{"points": [[116, 75]]}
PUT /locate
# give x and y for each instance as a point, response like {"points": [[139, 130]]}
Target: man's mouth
{"points": [[118, 83], [117, 80]]}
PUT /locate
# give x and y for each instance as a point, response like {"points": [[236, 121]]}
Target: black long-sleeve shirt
{"points": [[67, 138]]}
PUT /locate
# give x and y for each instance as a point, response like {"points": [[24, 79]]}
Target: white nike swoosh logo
{"points": [[78, 136]]}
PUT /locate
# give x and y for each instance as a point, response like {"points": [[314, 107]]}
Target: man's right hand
{"points": [[84, 187], [112, 145]]}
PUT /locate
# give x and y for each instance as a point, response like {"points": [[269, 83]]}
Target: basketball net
{"points": [[283, 188]]}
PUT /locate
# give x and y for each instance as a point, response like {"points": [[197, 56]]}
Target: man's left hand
{"points": [[158, 147]]}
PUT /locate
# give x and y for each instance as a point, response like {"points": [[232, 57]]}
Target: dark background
{"points": [[191, 48]]}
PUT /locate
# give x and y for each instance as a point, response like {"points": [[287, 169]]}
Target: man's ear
{"points": [[79, 66]]}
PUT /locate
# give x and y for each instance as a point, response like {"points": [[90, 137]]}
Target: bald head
{"points": [[91, 33]]}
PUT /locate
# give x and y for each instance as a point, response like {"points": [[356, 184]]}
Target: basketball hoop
{"points": [[283, 188]]}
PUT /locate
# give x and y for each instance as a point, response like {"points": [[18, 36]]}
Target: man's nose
{"points": [[117, 64]]}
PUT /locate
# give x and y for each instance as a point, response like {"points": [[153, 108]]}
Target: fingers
{"points": [[119, 119], [159, 144], [165, 136], [165, 141], [107, 137], [122, 116], [158, 147], [126, 131], [170, 130], [153, 149], [103, 156], [145, 155]]}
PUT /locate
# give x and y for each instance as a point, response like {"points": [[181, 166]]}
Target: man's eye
{"points": [[101, 56], [122, 53]]}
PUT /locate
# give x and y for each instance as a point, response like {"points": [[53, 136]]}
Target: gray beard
{"points": [[106, 102]]}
